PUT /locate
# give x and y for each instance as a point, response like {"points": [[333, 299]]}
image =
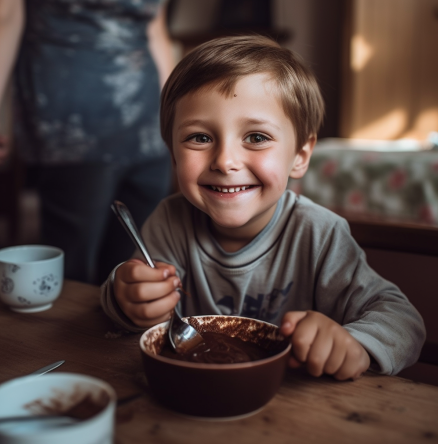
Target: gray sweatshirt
{"points": [[304, 259]]}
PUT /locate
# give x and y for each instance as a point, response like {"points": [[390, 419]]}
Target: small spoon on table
{"points": [[182, 336]]}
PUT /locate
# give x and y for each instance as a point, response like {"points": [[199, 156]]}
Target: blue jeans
{"points": [[76, 214]]}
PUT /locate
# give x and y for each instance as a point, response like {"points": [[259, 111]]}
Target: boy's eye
{"points": [[256, 138], [199, 138]]}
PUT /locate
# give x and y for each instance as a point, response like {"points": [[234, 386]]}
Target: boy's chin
{"points": [[240, 221], [228, 224]]}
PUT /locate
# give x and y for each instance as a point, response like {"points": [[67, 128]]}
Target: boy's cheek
{"points": [[188, 165], [188, 172], [183, 181]]}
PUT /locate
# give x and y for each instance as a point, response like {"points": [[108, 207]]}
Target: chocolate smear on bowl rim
{"points": [[77, 405], [261, 333], [227, 340]]}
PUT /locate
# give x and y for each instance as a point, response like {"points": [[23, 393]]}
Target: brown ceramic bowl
{"points": [[219, 391]]}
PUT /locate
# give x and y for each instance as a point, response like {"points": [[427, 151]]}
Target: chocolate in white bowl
{"points": [[216, 390], [89, 401]]}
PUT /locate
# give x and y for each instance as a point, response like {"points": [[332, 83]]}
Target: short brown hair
{"points": [[223, 61]]}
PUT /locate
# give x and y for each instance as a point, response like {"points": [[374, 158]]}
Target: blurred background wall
{"points": [[312, 28], [376, 61]]}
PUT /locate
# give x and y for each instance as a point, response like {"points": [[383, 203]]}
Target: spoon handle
{"points": [[46, 369], [54, 420], [128, 223]]}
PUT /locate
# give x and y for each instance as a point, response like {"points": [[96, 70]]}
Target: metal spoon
{"points": [[182, 336], [46, 369], [49, 420]]}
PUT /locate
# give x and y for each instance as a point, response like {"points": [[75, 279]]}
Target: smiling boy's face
{"points": [[234, 154]]}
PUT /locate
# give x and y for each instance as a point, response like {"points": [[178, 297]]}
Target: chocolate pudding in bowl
{"points": [[234, 373], [219, 348]]}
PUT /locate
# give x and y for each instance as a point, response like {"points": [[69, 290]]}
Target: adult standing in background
{"points": [[87, 83]]}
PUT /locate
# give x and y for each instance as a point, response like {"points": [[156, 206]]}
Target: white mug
{"points": [[31, 277], [57, 393]]}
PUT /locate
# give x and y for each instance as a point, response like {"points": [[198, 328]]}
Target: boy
{"points": [[240, 116]]}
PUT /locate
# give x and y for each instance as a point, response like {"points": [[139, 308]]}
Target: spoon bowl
{"points": [[182, 336]]}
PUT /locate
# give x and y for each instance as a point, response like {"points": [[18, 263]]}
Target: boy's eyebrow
{"points": [[191, 122], [251, 121]]}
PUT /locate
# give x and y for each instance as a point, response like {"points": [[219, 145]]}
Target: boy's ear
{"points": [[302, 159]]}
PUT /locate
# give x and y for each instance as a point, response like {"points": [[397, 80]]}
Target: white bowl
{"points": [[32, 395], [31, 277]]}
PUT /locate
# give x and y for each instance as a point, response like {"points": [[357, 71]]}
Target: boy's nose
{"points": [[226, 159]]}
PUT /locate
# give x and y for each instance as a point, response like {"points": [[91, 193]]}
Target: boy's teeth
{"points": [[229, 190]]}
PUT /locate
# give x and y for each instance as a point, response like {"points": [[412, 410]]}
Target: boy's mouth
{"points": [[229, 189]]}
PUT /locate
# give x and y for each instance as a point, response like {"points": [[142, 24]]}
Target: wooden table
{"points": [[374, 409]]}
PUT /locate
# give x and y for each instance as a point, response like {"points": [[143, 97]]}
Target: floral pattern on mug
{"points": [[6, 285], [23, 301], [45, 285]]}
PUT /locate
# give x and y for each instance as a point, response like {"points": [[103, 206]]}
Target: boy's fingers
{"points": [[345, 370], [293, 363], [356, 362], [146, 292], [319, 352], [135, 270], [290, 321], [336, 359], [302, 339], [169, 267], [150, 311]]}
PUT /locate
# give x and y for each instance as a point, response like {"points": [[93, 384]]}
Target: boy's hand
{"points": [[324, 346], [146, 295]]}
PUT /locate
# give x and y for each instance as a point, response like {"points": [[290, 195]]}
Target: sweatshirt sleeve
{"points": [[373, 310], [111, 307]]}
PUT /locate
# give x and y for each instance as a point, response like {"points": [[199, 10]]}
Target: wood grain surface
{"points": [[373, 409]]}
